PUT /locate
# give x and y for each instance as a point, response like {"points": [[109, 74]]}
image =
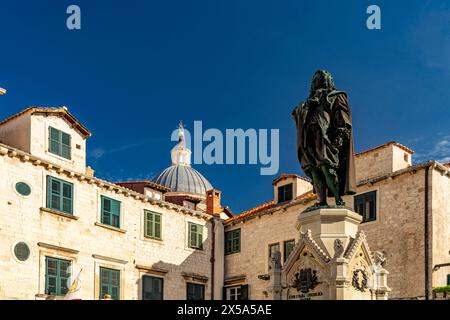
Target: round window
{"points": [[23, 189], [21, 251]]}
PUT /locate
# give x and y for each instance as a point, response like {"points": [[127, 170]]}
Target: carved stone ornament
{"points": [[380, 258], [305, 280], [359, 280], [338, 248]]}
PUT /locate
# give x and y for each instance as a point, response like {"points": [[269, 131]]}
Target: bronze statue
{"points": [[325, 140]]}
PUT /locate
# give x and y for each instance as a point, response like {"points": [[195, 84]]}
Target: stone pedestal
{"points": [[327, 225], [331, 261]]}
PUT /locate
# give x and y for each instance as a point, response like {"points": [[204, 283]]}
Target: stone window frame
{"points": [[151, 275], [291, 185], [47, 177], [144, 221], [268, 246], [196, 283], [204, 235], [225, 241], [56, 254], [284, 249], [377, 205], [98, 263], [60, 132], [100, 195]]}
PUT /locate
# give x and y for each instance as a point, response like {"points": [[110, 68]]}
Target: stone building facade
{"points": [[57, 219], [406, 216], [171, 238]]}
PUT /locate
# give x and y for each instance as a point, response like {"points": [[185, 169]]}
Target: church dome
{"points": [[180, 176]]}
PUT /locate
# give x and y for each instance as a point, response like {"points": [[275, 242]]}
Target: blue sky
{"points": [[138, 67]]}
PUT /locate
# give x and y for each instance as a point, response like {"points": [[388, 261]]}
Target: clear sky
{"points": [[136, 68]]}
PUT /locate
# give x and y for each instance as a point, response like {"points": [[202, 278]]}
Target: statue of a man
{"points": [[325, 140]]}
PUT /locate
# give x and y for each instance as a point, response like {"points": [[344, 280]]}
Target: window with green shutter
{"points": [[110, 212], [195, 291], [59, 143], [152, 288], [233, 241], [59, 195], [152, 225], [110, 283], [57, 276], [195, 236]]}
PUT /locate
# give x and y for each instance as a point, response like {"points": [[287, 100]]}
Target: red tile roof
{"points": [[129, 185], [406, 149], [266, 206], [289, 175], [62, 111]]}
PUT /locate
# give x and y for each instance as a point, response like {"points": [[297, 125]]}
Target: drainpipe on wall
{"points": [[213, 254], [426, 235]]}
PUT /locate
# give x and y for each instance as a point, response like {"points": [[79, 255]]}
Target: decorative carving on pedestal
{"points": [[338, 248], [305, 280], [353, 272], [359, 280]]}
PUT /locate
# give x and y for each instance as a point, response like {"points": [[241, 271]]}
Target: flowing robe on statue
{"points": [[325, 136]]}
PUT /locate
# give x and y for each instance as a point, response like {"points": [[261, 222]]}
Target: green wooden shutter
{"points": [[105, 208], [199, 236], [66, 145], [237, 240], [57, 276], [147, 225], [157, 225], [244, 292], [110, 212], [110, 283], [192, 235], [115, 213]]}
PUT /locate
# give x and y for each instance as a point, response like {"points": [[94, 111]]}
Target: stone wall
{"points": [[441, 227], [89, 245], [256, 236], [40, 142], [398, 231]]}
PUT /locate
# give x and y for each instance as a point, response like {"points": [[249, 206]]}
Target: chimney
{"points": [[213, 206], [89, 172]]}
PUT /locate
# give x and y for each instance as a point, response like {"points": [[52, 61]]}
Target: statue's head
{"points": [[322, 80]]}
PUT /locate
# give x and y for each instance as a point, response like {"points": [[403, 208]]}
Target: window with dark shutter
{"points": [[233, 241], [152, 288], [285, 193], [366, 206], [195, 291], [272, 249], [288, 247]]}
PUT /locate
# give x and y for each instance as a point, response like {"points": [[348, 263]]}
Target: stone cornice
{"points": [[57, 248], [105, 185]]}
